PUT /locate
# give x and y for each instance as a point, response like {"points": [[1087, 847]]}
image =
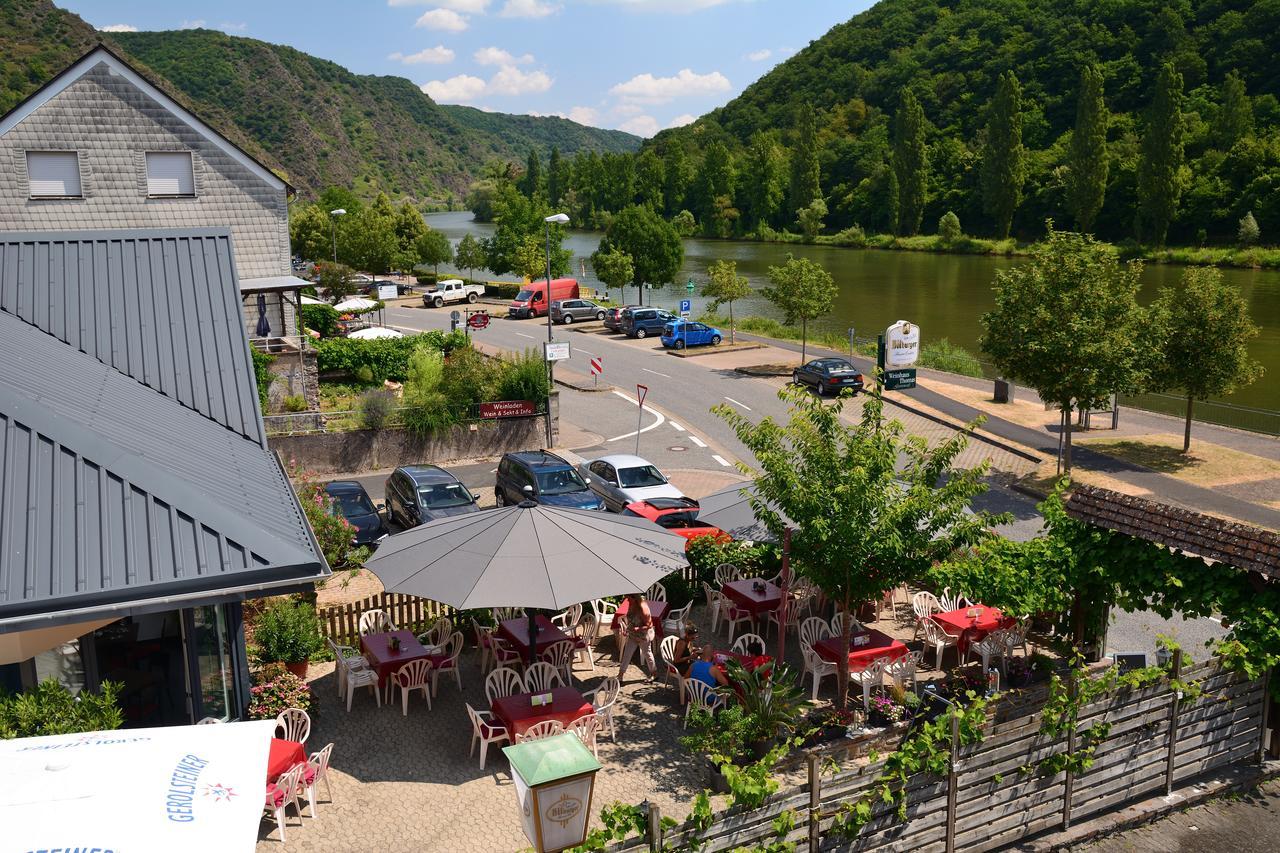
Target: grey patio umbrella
{"points": [[730, 510], [264, 325]]}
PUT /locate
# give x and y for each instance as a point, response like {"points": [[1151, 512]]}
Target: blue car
{"points": [[681, 333]]}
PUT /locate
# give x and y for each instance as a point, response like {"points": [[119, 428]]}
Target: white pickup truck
{"points": [[452, 290]]}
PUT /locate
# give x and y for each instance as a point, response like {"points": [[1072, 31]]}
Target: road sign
{"points": [[455, 316], [597, 366], [900, 380], [689, 287], [686, 307], [557, 350], [478, 320]]}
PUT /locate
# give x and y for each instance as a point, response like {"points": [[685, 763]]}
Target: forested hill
{"points": [[950, 54], [320, 123]]}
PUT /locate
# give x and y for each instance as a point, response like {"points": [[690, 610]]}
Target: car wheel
{"points": [[715, 340], [438, 302], [795, 378], [678, 344], [600, 316], [471, 297], [822, 392], [497, 494], [568, 318], [641, 333]]}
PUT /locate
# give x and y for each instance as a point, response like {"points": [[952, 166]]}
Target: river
{"points": [[945, 295]]}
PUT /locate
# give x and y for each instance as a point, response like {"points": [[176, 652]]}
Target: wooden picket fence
{"points": [[341, 623], [989, 799]]}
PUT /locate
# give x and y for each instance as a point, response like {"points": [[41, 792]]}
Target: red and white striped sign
{"points": [[597, 366]]}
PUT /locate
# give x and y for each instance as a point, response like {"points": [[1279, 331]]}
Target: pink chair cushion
{"points": [[310, 776], [489, 731], [275, 797]]}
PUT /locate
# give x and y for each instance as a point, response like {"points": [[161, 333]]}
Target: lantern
{"points": [[554, 780]]}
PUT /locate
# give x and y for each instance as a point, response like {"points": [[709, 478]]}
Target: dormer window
{"points": [[53, 174], [170, 174]]}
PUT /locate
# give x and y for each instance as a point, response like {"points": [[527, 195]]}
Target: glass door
{"points": [[211, 646]]}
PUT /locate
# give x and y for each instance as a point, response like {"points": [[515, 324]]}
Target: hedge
{"points": [[386, 358], [502, 289], [322, 318]]}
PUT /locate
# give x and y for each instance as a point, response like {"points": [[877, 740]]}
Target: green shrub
{"points": [[386, 358], [502, 289], [295, 403], [523, 377], [50, 709], [287, 631], [468, 379], [706, 552], [375, 408], [944, 355], [321, 318], [276, 689], [853, 237], [949, 227], [262, 374]]}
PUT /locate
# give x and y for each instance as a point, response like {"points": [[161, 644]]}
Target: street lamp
{"points": [[333, 228], [557, 219]]}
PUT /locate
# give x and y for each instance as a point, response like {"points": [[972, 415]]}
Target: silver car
{"points": [[569, 310], [622, 479]]}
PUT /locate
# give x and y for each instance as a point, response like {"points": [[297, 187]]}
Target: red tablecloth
{"points": [[284, 754], [879, 645], [743, 596], [518, 715], [516, 633], [749, 662], [385, 661], [958, 623], [657, 609]]}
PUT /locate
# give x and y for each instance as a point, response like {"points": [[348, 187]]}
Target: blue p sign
{"points": [[686, 305]]}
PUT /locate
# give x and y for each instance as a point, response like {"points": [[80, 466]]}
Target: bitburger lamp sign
{"points": [[899, 351]]}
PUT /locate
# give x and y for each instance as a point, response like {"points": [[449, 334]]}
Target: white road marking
{"points": [[523, 335], [676, 426], [655, 373], [661, 419], [697, 440], [739, 405], [720, 459], [580, 349], [1217, 620]]}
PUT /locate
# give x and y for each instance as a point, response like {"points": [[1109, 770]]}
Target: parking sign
{"points": [[686, 307]]}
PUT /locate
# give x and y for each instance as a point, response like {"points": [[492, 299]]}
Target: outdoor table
{"points": [[756, 603], [516, 633], [284, 754], [386, 661], [971, 629], [749, 662], [657, 609], [517, 713], [879, 645]]}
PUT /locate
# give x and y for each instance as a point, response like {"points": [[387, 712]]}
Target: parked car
{"points": [[451, 290], [352, 502], [621, 479], [532, 299], [642, 322], [828, 375], [613, 317], [571, 310], [544, 478], [417, 494], [679, 515], [679, 334]]}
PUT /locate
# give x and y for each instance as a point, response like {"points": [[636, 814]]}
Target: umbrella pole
{"points": [[786, 584], [533, 635]]}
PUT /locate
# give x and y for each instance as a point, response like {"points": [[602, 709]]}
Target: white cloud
{"points": [[192, 25], [682, 120], [498, 56], [470, 7], [585, 115], [640, 125], [759, 55], [647, 89], [438, 55], [118, 28], [442, 19], [461, 89], [513, 81], [528, 9]]}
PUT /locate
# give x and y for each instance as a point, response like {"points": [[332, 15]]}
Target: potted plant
{"points": [[883, 711], [770, 699], [827, 724], [288, 632], [275, 689], [722, 738]]}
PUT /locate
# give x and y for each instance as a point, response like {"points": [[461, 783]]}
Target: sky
{"points": [[635, 65]]}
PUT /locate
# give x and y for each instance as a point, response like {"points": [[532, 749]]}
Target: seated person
{"points": [[684, 653], [704, 669]]}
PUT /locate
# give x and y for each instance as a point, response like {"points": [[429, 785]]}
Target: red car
{"points": [[679, 515]]}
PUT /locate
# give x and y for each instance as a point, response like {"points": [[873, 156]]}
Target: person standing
{"points": [[638, 634]]}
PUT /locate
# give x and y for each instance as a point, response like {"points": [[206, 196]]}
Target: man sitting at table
{"points": [[704, 669]]}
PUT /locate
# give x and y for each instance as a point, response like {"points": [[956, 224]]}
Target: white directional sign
{"points": [[557, 350]]}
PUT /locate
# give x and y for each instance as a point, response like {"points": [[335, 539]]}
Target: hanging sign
{"points": [[901, 344]]}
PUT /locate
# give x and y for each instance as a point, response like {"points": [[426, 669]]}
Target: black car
{"points": [[613, 317], [544, 478], [828, 375], [417, 494], [351, 501], [642, 322]]}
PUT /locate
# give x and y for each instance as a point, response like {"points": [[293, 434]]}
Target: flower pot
{"points": [[760, 748], [715, 779], [298, 669]]}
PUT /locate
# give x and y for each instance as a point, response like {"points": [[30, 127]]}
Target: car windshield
{"points": [[442, 495], [560, 482], [677, 519], [524, 296], [638, 478], [351, 504]]}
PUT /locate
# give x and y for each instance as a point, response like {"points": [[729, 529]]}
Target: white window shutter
{"points": [[53, 174], [170, 173]]}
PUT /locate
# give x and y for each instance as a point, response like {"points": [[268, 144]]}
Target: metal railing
{"points": [[1264, 421]]}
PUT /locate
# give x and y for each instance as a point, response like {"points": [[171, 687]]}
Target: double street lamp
{"points": [[554, 219]]}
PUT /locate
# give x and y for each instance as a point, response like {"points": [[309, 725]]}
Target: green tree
{"points": [[469, 255], [409, 227], [559, 177], [367, 240], [910, 163], [434, 248], [713, 184], [340, 198], [336, 282], [1202, 332], [685, 223], [762, 193], [310, 232], [651, 177], [531, 182], [724, 287], [1067, 323], [803, 291], [614, 268], [518, 218], [1248, 232], [806, 171], [1235, 117], [1160, 164], [677, 174], [949, 227], [811, 219], [870, 507], [653, 244], [1004, 160], [1087, 159]]}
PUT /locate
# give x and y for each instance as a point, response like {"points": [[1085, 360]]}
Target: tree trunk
{"points": [[842, 665], [1066, 445], [732, 330], [1186, 435], [804, 338]]}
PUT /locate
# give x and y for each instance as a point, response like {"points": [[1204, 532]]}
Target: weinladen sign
{"points": [[508, 409]]}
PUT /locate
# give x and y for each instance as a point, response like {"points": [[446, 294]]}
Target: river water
{"points": [[945, 295]]}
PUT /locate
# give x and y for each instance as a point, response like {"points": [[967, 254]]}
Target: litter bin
{"points": [[554, 780], [1004, 391]]}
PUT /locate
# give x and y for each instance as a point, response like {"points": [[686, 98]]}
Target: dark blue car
{"points": [[544, 478], [679, 334]]}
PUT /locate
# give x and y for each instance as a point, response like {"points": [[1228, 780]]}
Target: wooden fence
{"points": [[341, 623], [993, 796]]}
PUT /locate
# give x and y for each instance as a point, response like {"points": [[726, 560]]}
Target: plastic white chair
{"points": [[560, 655], [209, 721], [937, 639], [375, 622], [540, 731], [503, 682], [586, 728], [714, 602], [841, 621], [414, 675], [674, 623], [815, 666], [948, 601], [295, 724], [346, 658], [569, 620], [870, 676], [283, 791], [701, 695], [503, 654], [484, 642], [668, 648], [903, 670], [733, 615], [438, 634], [924, 605], [602, 613], [506, 614], [317, 769], [750, 644], [657, 592], [994, 645], [453, 650], [727, 573], [484, 730], [1017, 637], [813, 630], [603, 699], [362, 678], [542, 676]]}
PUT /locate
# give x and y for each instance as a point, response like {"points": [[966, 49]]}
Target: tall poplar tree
{"points": [[761, 195], [910, 163], [1235, 119], [1087, 158], [557, 177], [1004, 160], [531, 183], [805, 171], [677, 175], [1160, 165]]}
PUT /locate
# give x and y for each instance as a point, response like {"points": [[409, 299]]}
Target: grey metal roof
{"points": [[273, 283], [118, 495]]}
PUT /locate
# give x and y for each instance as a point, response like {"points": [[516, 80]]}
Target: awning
{"points": [[273, 284], [21, 645]]}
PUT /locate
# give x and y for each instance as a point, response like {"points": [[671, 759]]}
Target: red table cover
{"points": [[749, 662], [657, 609], [385, 661], [958, 623], [743, 596], [880, 645], [284, 754], [517, 714], [516, 633]]}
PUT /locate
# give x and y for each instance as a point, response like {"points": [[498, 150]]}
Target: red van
{"points": [[532, 299]]}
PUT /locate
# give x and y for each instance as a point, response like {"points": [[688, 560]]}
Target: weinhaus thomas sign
{"points": [[898, 352]]}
